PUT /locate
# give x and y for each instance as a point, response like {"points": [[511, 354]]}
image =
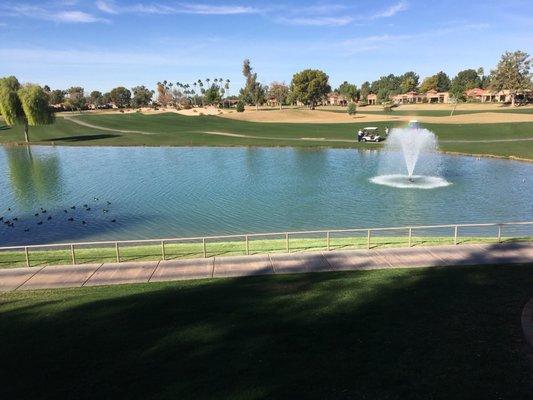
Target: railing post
{"points": [[368, 239], [72, 254], [163, 250], [117, 251], [203, 244], [455, 234], [27, 257], [499, 233], [410, 235], [247, 245], [327, 240], [287, 242]]}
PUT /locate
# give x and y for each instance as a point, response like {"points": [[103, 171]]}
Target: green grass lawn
{"points": [[439, 333], [174, 250], [178, 130]]}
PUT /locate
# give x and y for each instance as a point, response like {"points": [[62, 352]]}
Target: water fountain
{"points": [[410, 145]]}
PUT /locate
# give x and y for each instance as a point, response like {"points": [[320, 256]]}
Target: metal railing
{"points": [[455, 230]]}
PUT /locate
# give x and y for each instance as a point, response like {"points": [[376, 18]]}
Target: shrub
{"points": [[352, 109], [240, 106]]}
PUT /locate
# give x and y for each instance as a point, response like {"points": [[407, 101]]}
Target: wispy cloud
{"points": [[317, 21], [112, 7], [49, 14], [391, 11], [366, 43]]}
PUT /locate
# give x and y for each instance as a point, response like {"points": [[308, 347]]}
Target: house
{"points": [[336, 99], [408, 98], [372, 99], [433, 96], [477, 94]]}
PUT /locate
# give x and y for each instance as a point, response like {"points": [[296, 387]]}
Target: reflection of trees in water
{"points": [[33, 177]]}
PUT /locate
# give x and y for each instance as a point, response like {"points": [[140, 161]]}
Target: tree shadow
{"points": [[445, 332], [82, 138]]}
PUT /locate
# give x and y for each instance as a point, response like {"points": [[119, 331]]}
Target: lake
{"points": [[143, 192]]}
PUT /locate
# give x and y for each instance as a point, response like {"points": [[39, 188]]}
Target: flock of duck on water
{"points": [[43, 215]]}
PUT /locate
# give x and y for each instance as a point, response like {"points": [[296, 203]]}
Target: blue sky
{"points": [[100, 44]]}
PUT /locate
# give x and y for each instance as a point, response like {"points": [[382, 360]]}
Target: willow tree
{"points": [[26, 105]]}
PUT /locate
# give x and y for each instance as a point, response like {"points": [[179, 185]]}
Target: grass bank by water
{"points": [[177, 130], [173, 250]]}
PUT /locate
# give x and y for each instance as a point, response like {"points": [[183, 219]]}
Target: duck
{"points": [[36, 214], [40, 223], [27, 230], [83, 222], [113, 220], [70, 219], [73, 207], [49, 218]]}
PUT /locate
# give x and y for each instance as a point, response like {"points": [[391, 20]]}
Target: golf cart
{"points": [[370, 134]]}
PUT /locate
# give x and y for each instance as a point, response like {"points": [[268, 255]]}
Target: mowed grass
{"points": [[439, 333], [174, 250], [172, 129]]}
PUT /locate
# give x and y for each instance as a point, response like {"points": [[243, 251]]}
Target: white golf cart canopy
{"points": [[370, 128]]}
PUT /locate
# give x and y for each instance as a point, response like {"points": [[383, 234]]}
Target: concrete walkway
{"points": [[275, 263]]}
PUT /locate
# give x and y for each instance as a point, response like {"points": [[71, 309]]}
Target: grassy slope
{"points": [[442, 333], [173, 129]]}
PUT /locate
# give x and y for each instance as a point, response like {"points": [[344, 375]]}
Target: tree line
{"points": [[30, 104]]}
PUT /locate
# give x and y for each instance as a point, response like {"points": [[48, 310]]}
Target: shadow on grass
{"points": [[388, 334], [82, 138]]}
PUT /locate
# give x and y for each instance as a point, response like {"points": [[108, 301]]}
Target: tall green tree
{"points": [[463, 81], [76, 98], [57, 96], [96, 98], [443, 82], [310, 86], [409, 82], [253, 92], [212, 95], [349, 90], [439, 82], [26, 105], [365, 91], [386, 86], [512, 73], [120, 96], [429, 83], [142, 96]]}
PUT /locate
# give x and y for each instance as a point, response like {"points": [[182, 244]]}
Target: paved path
{"points": [[265, 264]]}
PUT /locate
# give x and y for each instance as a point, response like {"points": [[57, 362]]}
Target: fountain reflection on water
{"points": [[410, 146]]}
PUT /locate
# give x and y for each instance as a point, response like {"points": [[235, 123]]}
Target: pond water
{"points": [[136, 192]]}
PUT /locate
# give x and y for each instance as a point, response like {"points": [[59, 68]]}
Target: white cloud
{"points": [[74, 16], [106, 6], [317, 21], [111, 7], [49, 14], [366, 43], [392, 10], [217, 10]]}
